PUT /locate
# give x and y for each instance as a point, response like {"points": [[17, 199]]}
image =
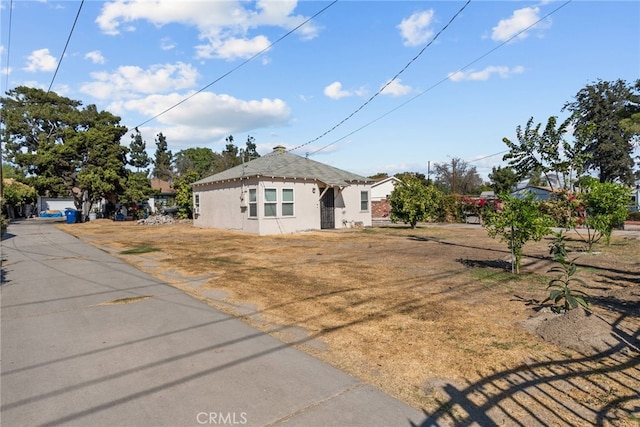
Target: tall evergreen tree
{"points": [[138, 157], [162, 162]]}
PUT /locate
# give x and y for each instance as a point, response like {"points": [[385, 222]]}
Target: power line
{"points": [[240, 65], [448, 77], [6, 84], [65, 46], [389, 82]]}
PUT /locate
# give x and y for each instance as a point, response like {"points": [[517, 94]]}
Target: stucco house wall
{"points": [[236, 199]]}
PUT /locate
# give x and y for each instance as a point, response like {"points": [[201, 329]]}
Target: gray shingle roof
{"points": [[281, 164]]}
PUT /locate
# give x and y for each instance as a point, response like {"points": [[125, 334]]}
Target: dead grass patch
{"points": [[429, 315]]}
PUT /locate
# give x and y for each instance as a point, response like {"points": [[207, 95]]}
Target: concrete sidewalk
{"points": [[70, 356]]}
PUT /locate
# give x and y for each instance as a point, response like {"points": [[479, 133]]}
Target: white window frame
{"points": [[288, 202], [253, 204], [365, 200], [273, 203], [196, 204]]}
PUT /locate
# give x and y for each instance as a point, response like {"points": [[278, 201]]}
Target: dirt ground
{"points": [[432, 315]]}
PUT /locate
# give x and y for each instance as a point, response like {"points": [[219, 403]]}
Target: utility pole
{"points": [[453, 176]]}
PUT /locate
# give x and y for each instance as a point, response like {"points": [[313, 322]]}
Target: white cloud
{"points": [[167, 44], [95, 56], [40, 60], [519, 21], [415, 29], [207, 115], [486, 73], [128, 80], [233, 48], [223, 25], [396, 88], [335, 91]]}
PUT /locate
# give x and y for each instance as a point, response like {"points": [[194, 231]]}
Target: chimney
{"points": [[279, 149]]}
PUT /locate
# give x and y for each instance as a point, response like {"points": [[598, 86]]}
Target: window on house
{"points": [[253, 203], [270, 202], [364, 200], [287, 202], [196, 203]]}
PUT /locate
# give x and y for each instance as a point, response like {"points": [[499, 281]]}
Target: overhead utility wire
{"points": [[389, 82], [239, 65], [441, 81], [65, 46], [6, 84]]}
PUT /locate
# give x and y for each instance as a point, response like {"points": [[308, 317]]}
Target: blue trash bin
{"points": [[72, 215]]}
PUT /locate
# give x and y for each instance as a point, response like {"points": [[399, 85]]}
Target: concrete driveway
{"points": [[72, 354]]}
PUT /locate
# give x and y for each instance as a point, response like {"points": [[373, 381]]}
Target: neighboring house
{"points": [[165, 196], [635, 198], [282, 193], [539, 193], [380, 192]]}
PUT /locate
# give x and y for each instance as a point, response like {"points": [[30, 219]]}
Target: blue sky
{"points": [[457, 99]]}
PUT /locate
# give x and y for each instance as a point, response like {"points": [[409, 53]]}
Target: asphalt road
{"points": [[70, 356]]}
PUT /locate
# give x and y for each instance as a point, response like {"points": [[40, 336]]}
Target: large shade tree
{"points": [[62, 148], [598, 115]]}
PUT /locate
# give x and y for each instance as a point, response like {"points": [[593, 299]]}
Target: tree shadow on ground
{"points": [[479, 263]]}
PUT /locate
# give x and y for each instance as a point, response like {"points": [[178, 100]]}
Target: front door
{"points": [[327, 210]]}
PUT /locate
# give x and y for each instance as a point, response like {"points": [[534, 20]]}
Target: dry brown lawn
{"points": [[432, 316]]}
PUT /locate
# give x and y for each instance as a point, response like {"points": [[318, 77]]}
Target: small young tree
{"points": [[605, 206], [411, 201], [517, 222]]}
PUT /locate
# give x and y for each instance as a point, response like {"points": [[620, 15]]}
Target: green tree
{"points": [[457, 177], [379, 176], [184, 193], [138, 157], [62, 147], [597, 111], [503, 180], [163, 160], [230, 154], [517, 222], [402, 176], [17, 194], [11, 171], [251, 149], [137, 189], [203, 161], [605, 207], [546, 153], [412, 201]]}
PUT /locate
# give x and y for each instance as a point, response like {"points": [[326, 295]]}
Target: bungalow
{"points": [[282, 193], [163, 197]]}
